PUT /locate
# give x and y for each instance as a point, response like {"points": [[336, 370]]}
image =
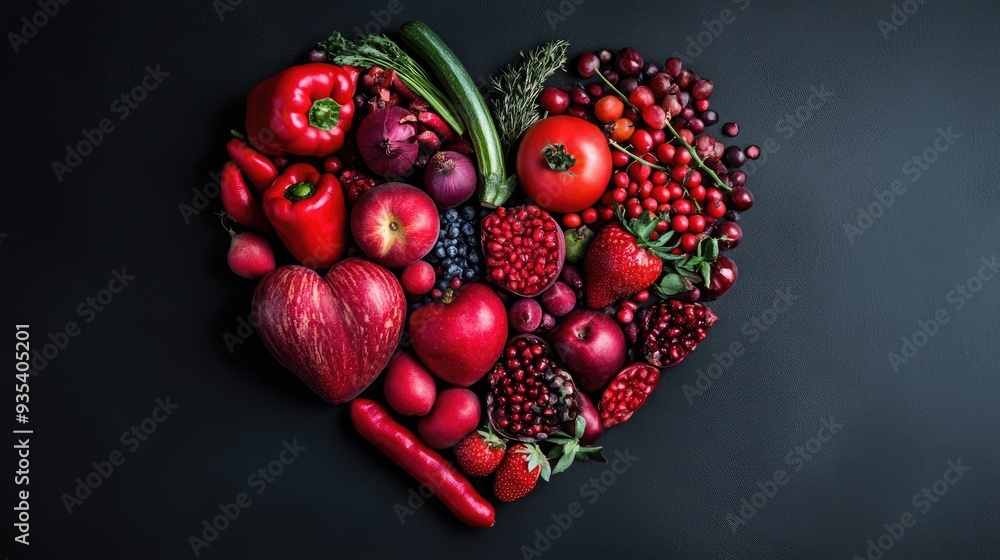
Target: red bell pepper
{"points": [[308, 213], [258, 168], [239, 202], [305, 110]]}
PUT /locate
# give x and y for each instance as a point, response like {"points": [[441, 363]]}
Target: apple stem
{"points": [[448, 296]]}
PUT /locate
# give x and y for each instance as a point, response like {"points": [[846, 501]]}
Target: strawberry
{"points": [[519, 472], [479, 453], [622, 260]]}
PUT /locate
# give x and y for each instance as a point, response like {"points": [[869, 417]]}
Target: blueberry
{"points": [[468, 229], [454, 232], [442, 285], [452, 251], [469, 274], [473, 258], [448, 261], [462, 249], [439, 252], [468, 213], [453, 271], [451, 215]]}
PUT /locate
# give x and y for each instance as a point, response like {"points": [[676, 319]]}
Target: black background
{"points": [[826, 355]]}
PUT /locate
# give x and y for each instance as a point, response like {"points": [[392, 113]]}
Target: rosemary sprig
{"points": [[517, 87], [379, 50]]}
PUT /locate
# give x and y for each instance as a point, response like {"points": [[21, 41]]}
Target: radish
{"points": [[409, 387], [250, 255], [455, 414]]}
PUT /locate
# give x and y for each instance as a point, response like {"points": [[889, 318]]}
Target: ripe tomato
{"points": [[564, 164]]}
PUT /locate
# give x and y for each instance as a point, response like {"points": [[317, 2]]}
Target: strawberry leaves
{"points": [[568, 448], [535, 459], [681, 272]]}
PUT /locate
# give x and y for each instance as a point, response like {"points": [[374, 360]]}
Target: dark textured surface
{"points": [[695, 458]]}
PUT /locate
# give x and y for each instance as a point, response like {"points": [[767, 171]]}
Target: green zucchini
{"points": [[494, 186]]}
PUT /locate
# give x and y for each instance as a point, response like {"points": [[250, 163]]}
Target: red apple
{"points": [[594, 428], [395, 224], [409, 387], [591, 346], [460, 338], [455, 414], [336, 332]]}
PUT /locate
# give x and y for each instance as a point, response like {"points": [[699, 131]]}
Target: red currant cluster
{"points": [[665, 162]]}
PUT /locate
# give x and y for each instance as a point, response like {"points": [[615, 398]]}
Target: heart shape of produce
{"points": [[335, 332]]}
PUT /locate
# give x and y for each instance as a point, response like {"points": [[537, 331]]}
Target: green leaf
{"points": [[706, 271], [672, 284], [569, 455], [580, 426], [711, 249]]}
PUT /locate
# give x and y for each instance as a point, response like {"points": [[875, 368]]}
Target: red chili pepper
{"points": [[304, 110], [258, 168], [239, 201], [308, 213], [422, 463]]}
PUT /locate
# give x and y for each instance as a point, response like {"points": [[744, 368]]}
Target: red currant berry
{"points": [[619, 158], [571, 220], [682, 157], [689, 243], [679, 223], [715, 209], [665, 152], [696, 223], [684, 206]]}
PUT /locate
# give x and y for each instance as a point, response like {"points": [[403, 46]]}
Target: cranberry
{"points": [[740, 199], [605, 56], [641, 97], [654, 115], [659, 136], [679, 223], [619, 158], [660, 84], [611, 76], [628, 61], [638, 172], [753, 151], [672, 104], [696, 223], [732, 232], [701, 105], [589, 215], [692, 179], [642, 142], [665, 153], [554, 100], [696, 125], [685, 206], [734, 157], [682, 157], [685, 78], [627, 85], [715, 209], [579, 96], [571, 220], [620, 178], [702, 89], [738, 178], [673, 66], [697, 192], [587, 65], [687, 113], [710, 118], [650, 70], [595, 90], [689, 243], [624, 316], [730, 129], [658, 177]]}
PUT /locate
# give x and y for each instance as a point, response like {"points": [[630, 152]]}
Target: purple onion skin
{"points": [[450, 179], [388, 143]]}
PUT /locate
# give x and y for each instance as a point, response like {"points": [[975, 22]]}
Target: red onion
{"points": [[387, 140], [450, 178]]}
